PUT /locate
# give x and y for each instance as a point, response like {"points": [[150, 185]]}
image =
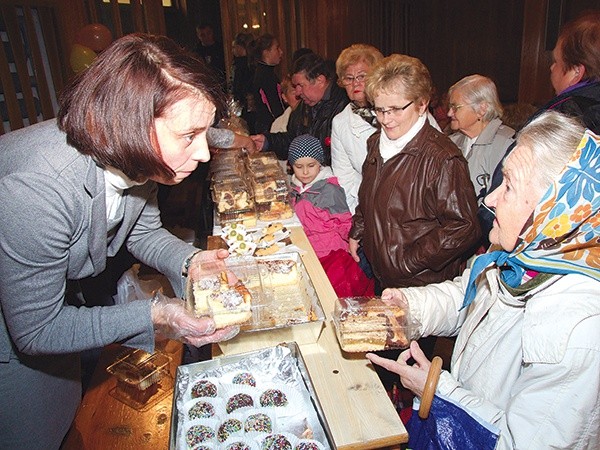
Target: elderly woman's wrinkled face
{"points": [[515, 199], [181, 135], [396, 113], [463, 116], [353, 81]]}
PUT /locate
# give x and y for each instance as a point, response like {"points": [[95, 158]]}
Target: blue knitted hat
{"points": [[305, 146]]}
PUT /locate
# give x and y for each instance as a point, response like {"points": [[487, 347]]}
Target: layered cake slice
{"points": [[370, 325]]}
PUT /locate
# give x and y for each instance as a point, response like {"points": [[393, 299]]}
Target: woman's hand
{"points": [[412, 377], [172, 320], [207, 262], [353, 249], [393, 296]]}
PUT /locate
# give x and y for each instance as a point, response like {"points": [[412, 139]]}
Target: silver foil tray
{"points": [[282, 363]]}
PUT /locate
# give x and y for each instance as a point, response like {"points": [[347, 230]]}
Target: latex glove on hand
{"points": [[172, 320], [207, 262]]}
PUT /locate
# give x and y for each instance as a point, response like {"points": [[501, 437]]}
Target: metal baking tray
{"points": [[270, 359]]}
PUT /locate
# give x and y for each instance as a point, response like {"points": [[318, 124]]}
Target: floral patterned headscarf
{"points": [[565, 234]]}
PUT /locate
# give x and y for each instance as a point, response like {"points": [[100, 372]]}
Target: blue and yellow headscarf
{"points": [[565, 234]]}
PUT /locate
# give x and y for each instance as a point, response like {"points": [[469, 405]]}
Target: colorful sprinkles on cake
{"points": [[259, 422], [237, 446], [201, 410], [307, 446], [198, 434], [228, 427], [244, 378], [273, 397], [204, 388], [276, 442], [238, 401]]}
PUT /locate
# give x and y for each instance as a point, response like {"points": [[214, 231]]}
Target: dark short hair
{"points": [[299, 53], [580, 40], [313, 65], [108, 110]]}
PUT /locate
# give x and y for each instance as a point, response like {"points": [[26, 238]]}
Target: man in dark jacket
{"points": [[322, 99]]}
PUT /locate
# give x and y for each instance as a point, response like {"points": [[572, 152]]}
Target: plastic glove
{"points": [[207, 262], [172, 320]]}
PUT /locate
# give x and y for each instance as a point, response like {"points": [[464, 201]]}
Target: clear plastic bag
{"points": [[131, 288]]}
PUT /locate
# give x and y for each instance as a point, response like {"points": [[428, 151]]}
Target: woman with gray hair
{"points": [[475, 113], [526, 315]]}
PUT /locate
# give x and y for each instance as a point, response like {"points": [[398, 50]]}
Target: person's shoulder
{"points": [[436, 143], [343, 116]]}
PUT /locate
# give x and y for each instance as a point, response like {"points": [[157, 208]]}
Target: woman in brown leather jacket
{"points": [[416, 216], [417, 213]]}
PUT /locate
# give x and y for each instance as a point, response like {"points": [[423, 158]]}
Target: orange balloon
{"points": [[95, 36], [81, 57]]}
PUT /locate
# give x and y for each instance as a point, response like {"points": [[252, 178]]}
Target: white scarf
{"points": [[389, 148]]}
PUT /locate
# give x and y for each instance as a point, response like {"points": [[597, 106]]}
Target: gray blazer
{"points": [[54, 229]]}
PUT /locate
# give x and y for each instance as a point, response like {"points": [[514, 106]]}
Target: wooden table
{"points": [[356, 406], [105, 423]]}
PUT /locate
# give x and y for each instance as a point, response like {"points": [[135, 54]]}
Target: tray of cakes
{"points": [[289, 309], [259, 400], [241, 241], [271, 298], [365, 324], [234, 202]]}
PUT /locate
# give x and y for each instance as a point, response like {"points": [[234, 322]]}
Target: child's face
{"points": [[306, 169]]}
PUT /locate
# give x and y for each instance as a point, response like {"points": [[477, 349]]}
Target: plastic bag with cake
{"points": [[365, 324]]}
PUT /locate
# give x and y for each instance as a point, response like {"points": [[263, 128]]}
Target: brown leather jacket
{"points": [[417, 213]]}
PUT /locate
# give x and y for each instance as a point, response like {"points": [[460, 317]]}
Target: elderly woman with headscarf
{"points": [[527, 314]]}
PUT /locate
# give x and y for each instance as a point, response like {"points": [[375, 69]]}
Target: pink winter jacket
{"points": [[323, 212]]}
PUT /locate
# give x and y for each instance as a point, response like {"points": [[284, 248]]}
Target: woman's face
{"points": [[353, 81], [396, 113], [272, 56], [560, 77], [306, 169], [462, 115], [181, 135], [515, 199]]}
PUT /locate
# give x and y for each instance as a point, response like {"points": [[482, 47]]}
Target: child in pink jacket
{"points": [[320, 204]]}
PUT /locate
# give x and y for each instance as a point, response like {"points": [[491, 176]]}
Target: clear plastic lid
{"points": [[139, 369], [231, 197], [368, 324]]}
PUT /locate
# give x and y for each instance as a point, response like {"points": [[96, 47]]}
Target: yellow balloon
{"points": [[81, 57]]}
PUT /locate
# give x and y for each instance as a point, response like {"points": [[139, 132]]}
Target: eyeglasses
{"points": [[349, 79], [452, 107], [392, 110]]}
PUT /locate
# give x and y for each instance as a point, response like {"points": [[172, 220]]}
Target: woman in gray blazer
{"points": [[73, 192]]}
